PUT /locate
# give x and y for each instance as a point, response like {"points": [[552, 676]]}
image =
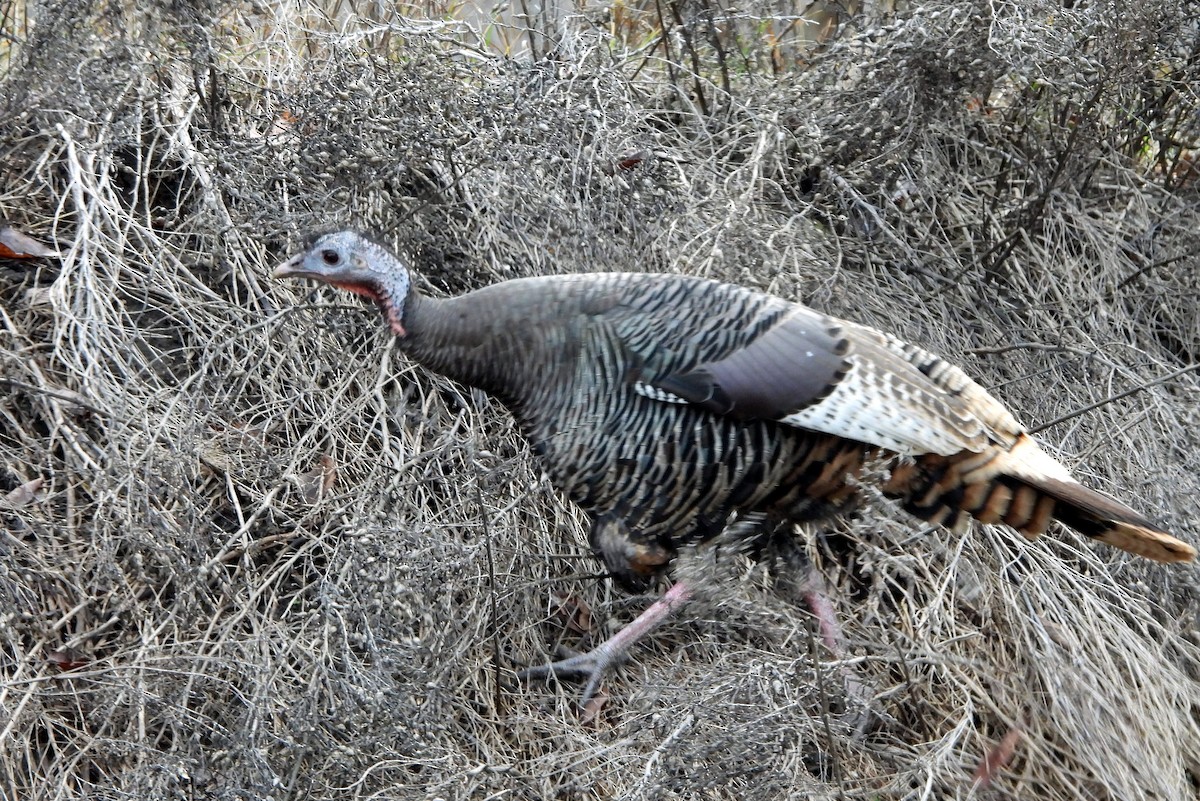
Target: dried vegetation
{"points": [[249, 551]]}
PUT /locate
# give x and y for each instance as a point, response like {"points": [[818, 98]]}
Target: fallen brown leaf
{"points": [[995, 760], [318, 481], [66, 659], [574, 612], [594, 706], [25, 494], [16, 245]]}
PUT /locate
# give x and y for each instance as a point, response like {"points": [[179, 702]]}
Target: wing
{"points": [[823, 374], [796, 361]]}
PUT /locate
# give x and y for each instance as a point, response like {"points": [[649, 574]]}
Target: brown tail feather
{"points": [[1102, 518], [995, 489]]}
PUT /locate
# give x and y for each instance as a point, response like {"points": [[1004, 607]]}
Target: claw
{"points": [[595, 663], [591, 665]]}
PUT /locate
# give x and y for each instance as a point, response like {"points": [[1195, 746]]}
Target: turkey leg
{"points": [[595, 663]]}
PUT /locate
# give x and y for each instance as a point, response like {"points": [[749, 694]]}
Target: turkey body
{"points": [[582, 361], [666, 405]]}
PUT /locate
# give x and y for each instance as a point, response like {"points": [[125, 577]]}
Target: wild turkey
{"points": [[665, 406]]}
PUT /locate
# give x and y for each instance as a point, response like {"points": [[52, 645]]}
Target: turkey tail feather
{"points": [[1102, 518], [1025, 488]]}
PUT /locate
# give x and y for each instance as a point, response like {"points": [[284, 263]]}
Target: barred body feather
{"points": [[666, 405]]}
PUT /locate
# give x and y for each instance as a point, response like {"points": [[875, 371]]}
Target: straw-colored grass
{"points": [[250, 551]]}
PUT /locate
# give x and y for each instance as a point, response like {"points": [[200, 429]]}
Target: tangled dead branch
{"points": [[250, 551]]}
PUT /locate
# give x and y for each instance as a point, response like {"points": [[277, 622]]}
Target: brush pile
{"points": [[250, 551]]}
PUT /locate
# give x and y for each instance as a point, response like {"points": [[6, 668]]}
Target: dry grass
{"points": [[250, 551]]}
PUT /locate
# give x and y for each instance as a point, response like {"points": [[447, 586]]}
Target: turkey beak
{"points": [[289, 268]]}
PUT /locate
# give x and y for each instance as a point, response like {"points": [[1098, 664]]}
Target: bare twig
{"points": [[1111, 398]]}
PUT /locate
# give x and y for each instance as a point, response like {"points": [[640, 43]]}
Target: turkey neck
{"points": [[508, 339]]}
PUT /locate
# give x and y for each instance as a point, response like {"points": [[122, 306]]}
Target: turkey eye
{"points": [[330, 257]]}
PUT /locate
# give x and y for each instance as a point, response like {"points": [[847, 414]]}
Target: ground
{"points": [[250, 551]]}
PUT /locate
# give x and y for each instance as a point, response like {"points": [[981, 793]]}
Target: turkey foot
{"points": [[857, 714], [593, 664]]}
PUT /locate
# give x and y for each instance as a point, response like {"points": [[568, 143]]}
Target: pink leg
{"points": [[858, 711], [596, 662], [827, 622]]}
